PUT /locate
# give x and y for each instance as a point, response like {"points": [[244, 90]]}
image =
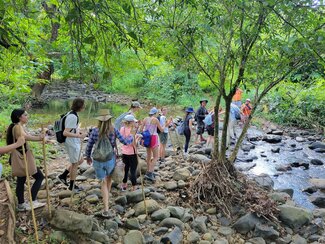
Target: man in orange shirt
{"points": [[236, 99], [246, 110]]}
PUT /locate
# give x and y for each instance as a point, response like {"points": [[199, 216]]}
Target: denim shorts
{"points": [[104, 169]]}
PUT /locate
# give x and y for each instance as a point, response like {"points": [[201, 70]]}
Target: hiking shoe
{"points": [[123, 187], [36, 204], [23, 207], [63, 180], [150, 176]]}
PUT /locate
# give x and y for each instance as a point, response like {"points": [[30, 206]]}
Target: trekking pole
{"points": [[141, 178], [29, 190], [72, 193], [46, 176]]}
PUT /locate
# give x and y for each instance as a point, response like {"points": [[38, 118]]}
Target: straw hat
{"points": [[104, 115]]}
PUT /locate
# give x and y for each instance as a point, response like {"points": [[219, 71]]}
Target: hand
{"points": [[20, 141], [89, 161]]}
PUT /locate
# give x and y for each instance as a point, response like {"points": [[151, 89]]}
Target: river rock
{"points": [[64, 194], [279, 197], [199, 158], [318, 201], [122, 200], [272, 139], [264, 181], [176, 212], [193, 237], [225, 231], [71, 221], [275, 150], [316, 145], [294, 217], [316, 162], [181, 174], [99, 236], [318, 183], [152, 206], [160, 214], [133, 237], [256, 240], [245, 167], [90, 173], [92, 198], [266, 232], [289, 191], [297, 239], [110, 225], [174, 237], [132, 224], [157, 196], [136, 196], [171, 185], [160, 231], [199, 224], [170, 222], [246, 223], [320, 150]]}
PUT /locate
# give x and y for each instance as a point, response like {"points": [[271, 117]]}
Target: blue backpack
{"points": [[181, 128], [208, 120], [146, 138]]}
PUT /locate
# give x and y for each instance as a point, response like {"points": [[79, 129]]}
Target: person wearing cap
{"points": [[129, 152], [188, 121], [245, 110], [104, 170], [236, 99], [199, 117], [74, 138], [151, 124], [135, 106]]}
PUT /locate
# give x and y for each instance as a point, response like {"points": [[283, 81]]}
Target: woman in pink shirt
{"points": [[129, 153]]}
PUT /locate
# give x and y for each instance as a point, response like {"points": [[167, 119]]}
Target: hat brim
{"points": [[204, 101], [104, 117]]}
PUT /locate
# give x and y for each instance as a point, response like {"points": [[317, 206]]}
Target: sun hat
{"points": [[130, 118], [135, 104], [204, 100], [248, 99], [153, 111], [189, 110], [104, 115]]}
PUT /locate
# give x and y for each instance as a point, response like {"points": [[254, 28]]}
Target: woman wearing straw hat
{"points": [[104, 169], [151, 124]]}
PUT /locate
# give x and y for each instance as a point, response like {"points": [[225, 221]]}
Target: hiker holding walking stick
{"points": [[19, 118]]}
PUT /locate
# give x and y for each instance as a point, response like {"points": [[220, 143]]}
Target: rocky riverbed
{"points": [[171, 217]]}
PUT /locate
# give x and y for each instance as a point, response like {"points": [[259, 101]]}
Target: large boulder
{"points": [[71, 221], [316, 145], [294, 217], [318, 183], [264, 181]]}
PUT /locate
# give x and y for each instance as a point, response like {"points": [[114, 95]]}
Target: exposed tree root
{"points": [[219, 185]]}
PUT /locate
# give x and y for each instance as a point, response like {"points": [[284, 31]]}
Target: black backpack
{"points": [[59, 126]]}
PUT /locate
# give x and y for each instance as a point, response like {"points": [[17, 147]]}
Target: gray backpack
{"points": [[103, 151]]}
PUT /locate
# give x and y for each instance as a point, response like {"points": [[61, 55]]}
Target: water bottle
{"points": [[0, 170]]}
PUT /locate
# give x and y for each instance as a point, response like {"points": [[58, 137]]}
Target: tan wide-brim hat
{"points": [[104, 115]]}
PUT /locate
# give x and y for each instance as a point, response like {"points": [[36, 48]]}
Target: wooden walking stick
{"points": [[46, 176], [29, 190], [179, 144], [171, 141], [80, 152]]}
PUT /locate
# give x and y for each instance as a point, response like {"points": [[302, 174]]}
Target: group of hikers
{"points": [[102, 151]]}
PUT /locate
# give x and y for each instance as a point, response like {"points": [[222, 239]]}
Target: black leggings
{"points": [[38, 176], [187, 134], [131, 163]]}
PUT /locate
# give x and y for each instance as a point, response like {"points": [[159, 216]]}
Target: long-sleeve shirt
{"points": [[112, 138]]}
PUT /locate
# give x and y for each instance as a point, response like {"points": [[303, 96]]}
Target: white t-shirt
{"points": [[72, 144], [163, 122]]}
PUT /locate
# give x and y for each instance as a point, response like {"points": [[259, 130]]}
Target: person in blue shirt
{"points": [[234, 114]]}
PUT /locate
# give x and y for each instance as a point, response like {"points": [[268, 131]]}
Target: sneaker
{"points": [[149, 176], [63, 180], [23, 207], [123, 187], [36, 204]]}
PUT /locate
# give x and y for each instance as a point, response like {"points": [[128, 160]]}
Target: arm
{"points": [[92, 140], [201, 114], [18, 143], [161, 128], [142, 125], [19, 131], [126, 141]]}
